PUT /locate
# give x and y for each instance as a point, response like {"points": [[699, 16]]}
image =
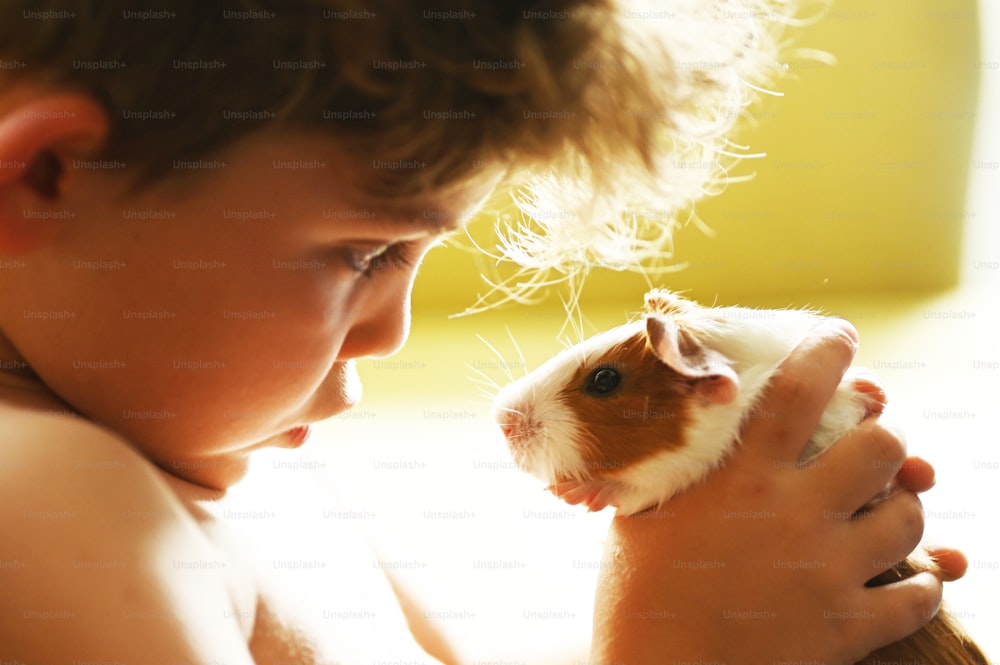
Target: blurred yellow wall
{"points": [[863, 187]]}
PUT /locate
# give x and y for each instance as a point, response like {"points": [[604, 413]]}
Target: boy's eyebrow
{"points": [[422, 218], [413, 218], [444, 224]]}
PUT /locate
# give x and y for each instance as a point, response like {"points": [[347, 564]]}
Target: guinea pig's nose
{"points": [[513, 427]]}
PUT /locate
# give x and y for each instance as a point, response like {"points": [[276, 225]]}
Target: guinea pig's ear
{"points": [[714, 380]]}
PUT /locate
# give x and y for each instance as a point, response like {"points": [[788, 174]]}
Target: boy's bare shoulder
{"points": [[48, 460], [30, 433], [96, 548]]}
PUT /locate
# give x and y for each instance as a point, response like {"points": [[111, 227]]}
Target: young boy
{"points": [[133, 141]]}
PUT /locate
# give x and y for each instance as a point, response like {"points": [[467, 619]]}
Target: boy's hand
{"points": [[763, 562]]}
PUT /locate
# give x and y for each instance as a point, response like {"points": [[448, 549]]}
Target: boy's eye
{"points": [[367, 260], [361, 258]]}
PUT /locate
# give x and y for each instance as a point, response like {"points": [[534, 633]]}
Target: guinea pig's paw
{"points": [[594, 493], [868, 389]]}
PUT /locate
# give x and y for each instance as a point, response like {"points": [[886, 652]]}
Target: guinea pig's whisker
{"points": [[490, 395], [485, 386], [503, 363], [517, 347], [483, 378]]}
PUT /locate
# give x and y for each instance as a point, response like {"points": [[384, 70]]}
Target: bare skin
{"points": [[136, 488]]}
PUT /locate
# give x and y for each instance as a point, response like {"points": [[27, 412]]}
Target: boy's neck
{"points": [[23, 390], [21, 387]]}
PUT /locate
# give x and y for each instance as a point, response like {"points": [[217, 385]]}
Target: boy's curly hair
{"points": [[612, 115]]}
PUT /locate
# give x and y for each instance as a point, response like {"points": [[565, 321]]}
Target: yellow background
{"points": [[863, 186]]}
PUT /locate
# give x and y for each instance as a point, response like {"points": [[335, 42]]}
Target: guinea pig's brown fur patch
{"points": [[646, 414]]}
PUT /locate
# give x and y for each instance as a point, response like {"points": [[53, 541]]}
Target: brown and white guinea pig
{"points": [[639, 413], [636, 414]]}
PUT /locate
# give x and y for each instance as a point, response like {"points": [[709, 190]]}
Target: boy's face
{"points": [[209, 316]]}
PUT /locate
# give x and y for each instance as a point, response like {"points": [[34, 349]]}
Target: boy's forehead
{"points": [[440, 211]]}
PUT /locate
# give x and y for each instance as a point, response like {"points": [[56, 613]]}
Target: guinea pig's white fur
{"points": [[546, 432]]}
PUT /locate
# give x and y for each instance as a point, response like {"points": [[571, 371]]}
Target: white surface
{"points": [[509, 569]]}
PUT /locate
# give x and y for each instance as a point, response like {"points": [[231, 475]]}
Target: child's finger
{"points": [[792, 404], [889, 532], [894, 611], [952, 563], [858, 467], [916, 475]]}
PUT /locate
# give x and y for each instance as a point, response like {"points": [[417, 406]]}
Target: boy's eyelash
{"points": [[396, 256]]}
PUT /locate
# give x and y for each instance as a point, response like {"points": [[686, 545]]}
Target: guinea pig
{"points": [[637, 414]]}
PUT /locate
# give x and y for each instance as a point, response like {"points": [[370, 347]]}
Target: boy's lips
{"points": [[296, 436]]}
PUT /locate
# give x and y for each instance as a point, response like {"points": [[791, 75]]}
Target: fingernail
{"points": [[866, 375], [840, 329], [846, 327]]}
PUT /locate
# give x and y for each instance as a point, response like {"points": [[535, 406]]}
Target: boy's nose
{"points": [[382, 323]]}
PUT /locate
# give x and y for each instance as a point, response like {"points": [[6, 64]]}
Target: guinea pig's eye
{"points": [[603, 381]]}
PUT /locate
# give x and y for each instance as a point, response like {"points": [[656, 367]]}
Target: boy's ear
{"points": [[39, 138]]}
